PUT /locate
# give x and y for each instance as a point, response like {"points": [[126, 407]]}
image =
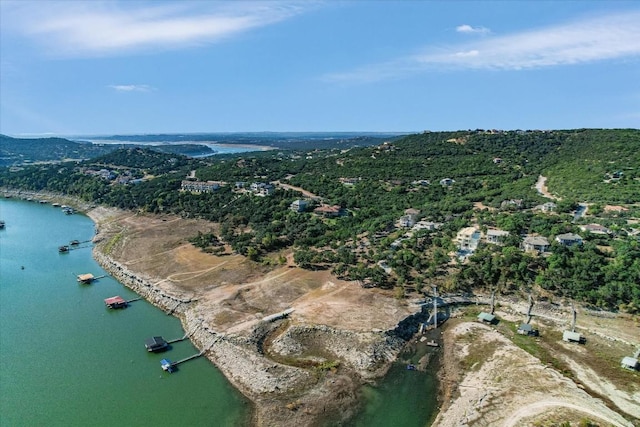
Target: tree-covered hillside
{"points": [[15, 151], [21, 151], [370, 197]]}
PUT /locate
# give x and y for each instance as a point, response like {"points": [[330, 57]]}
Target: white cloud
{"points": [[472, 30], [609, 37], [132, 88], [99, 28]]}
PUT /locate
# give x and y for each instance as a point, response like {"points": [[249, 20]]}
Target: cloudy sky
{"points": [[107, 67]]}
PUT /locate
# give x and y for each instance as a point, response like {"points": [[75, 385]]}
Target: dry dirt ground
{"points": [[236, 292], [491, 381]]}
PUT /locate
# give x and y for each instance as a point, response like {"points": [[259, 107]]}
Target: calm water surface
{"points": [[66, 360]]}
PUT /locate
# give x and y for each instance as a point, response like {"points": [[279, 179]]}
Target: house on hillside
{"points": [[426, 225], [569, 239], [496, 236], [409, 218], [537, 244], [467, 239], [512, 204], [546, 207], [262, 188], [328, 211], [299, 205], [349, 181], [200, 186], [595, 229]]}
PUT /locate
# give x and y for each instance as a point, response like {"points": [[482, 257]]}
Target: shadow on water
{"points": [[404, 397]]}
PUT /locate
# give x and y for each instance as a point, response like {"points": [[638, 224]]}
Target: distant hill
{"points": [[21, 151], [16, 151]]}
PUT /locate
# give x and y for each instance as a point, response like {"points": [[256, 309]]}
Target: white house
{"points": [[495, 236], [468, 238], [569, 239], [535, 244], [595, 229]]}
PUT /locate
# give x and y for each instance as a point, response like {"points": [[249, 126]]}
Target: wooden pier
{"points": [[184, 337]]}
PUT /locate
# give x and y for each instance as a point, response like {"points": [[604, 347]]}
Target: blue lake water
{"points": [[67, 360]]}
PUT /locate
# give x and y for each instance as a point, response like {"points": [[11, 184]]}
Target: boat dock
{"points": [[158, 343], [74, 244], [88, 278], [169, 366], [119, 302]]}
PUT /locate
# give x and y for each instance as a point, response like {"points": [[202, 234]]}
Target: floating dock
{"points": [[169, 366], [119, 302], [116, 302], [86, 278]]}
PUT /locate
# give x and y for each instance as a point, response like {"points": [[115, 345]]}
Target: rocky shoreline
{"points": [[278, 390]]}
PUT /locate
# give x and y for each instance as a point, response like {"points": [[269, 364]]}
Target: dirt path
{"points": [[542, 188], [298, 189]]}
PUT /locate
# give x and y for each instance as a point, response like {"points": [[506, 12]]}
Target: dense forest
{"points": [[457, 179]]}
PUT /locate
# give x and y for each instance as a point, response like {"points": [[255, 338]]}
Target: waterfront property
{"points": [[86, 278], [116, 302], [155, 344]]}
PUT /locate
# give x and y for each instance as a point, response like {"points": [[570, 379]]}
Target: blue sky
{"points": [[108, 67]]}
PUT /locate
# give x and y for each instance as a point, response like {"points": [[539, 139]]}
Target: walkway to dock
{"points": [[186, 359], [179, 339]]}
